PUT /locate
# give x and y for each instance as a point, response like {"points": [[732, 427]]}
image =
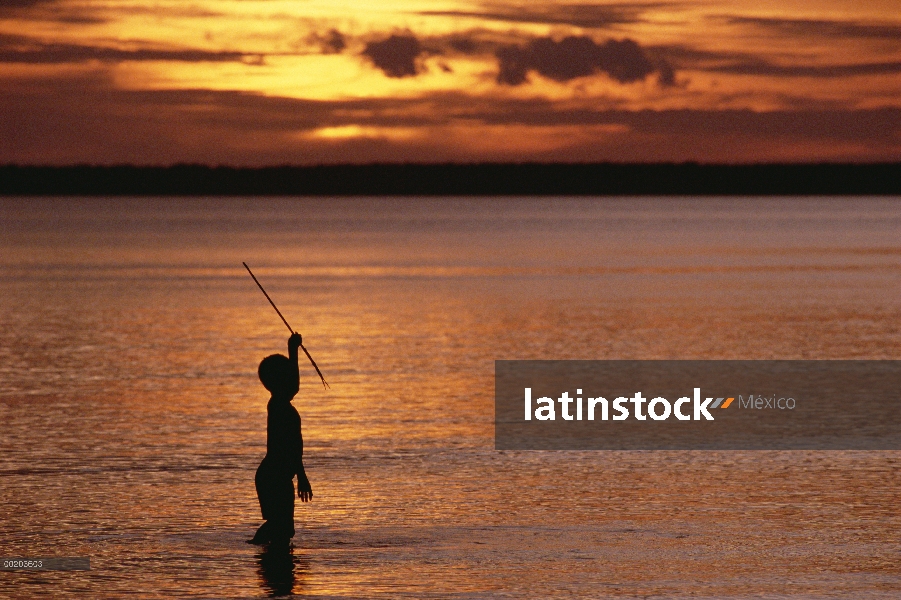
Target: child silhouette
{"points": [[284, 449]]}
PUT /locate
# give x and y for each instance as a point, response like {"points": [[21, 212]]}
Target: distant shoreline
{"points": [[488, 179]]}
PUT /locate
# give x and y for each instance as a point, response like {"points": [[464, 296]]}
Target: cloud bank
{"points": [[84, 120], [490, 80], [574, 57]]}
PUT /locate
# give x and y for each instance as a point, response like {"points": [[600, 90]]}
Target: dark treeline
{"points": [[457, 179]]}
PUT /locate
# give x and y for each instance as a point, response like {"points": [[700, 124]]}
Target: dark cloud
{"points": [[76, 19], [514, 65], [334, 42], [735, 136], [13, 4], [63, 11], [463, 44], [577, 15], [48, 10], [85, 120], [574, 57], [667, 76], [330, 42], [836, 125], [187, 10], [740, 63], [396, 56], [819, 27], [763, 67], [19, 49]]}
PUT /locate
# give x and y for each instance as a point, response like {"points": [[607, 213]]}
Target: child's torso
{"points": [[284, 443]]}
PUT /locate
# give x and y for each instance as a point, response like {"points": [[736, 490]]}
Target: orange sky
{"points": [[253, 82]]}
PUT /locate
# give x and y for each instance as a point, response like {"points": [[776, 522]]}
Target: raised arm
{"points": [[304, 490], [293, 344]]}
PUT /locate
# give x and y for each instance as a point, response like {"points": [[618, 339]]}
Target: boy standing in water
{"points": [[284, 449]]}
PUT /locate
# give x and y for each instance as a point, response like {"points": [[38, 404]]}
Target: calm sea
{"points": [[131, 418]]}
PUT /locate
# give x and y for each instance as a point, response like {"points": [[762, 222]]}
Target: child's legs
{"points": [[276, 503], [282, 515]]}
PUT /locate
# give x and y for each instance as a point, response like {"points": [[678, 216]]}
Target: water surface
{"points": [[132, 419]]}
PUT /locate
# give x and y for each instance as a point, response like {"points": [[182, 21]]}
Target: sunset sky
{"points": [[260, 82]]}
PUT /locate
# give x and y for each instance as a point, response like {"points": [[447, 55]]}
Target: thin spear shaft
{"points": [[318, 372], [313, 362], [291, 329]]}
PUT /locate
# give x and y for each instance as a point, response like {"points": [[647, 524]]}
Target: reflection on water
{"points": [[132, 419], [281, 572]]}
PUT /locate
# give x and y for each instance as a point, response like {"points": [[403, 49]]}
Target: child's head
{"points": [[275, 373]]}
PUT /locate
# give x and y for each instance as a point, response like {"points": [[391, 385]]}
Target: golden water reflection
{"points": [[133, 420]]}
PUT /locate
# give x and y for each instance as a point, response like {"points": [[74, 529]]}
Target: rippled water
{"points": [[132, 419]]}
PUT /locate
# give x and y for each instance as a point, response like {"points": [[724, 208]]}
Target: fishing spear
{"points": [[291, 329]]}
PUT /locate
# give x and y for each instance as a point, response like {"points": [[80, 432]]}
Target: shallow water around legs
{"points": [[132, 418]]}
